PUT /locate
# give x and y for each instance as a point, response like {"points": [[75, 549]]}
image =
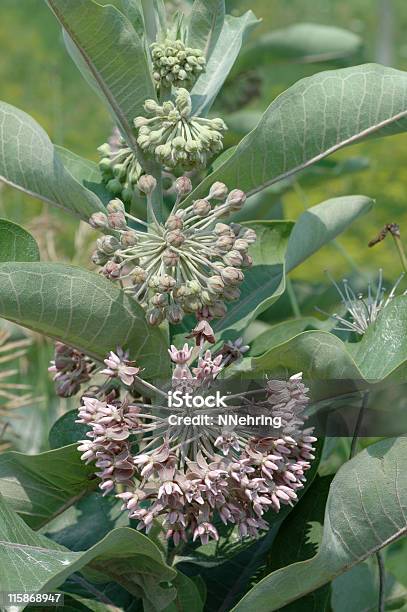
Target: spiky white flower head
{"points": [[181, 477], [174, 137], [362, 311], [119, 167], [176, 64], [190, 264]]}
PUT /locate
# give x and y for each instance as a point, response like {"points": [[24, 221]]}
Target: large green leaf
{"points": [[321, 224], [110, 50], [301, 42], [313, 118], [205, 25], [31, 562], [299, 538], [221, 61], [366, 510], [82, 309], [66, 431], [31, 164], [358, 589], [40, 486], [16, 244], [274, 335], [86, 522], [321, 355], [188, 597]]}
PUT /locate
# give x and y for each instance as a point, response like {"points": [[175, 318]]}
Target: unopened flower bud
{"points": [[174, 222], [241, 245], [151, 106], [250, 235], [138, 275], [222, 228], [183, 186], [155, 316], [218, 191], [115, 205], [147, 184], [111, 270], [194, 287], [98, 220], [231, 294], [247, 261], [159, 300], [108, 244], [225, 243], [170, 258], [114, 186], [117, 220], [233, 258], [236, 199], [218, 310], [175, 314], [215, 284], [166, 282], [232, 276], [175, 238], [99, 258], [201, 208], [128, 239]]}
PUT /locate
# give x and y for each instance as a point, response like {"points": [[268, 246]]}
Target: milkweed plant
{"points": [[187, 476]]}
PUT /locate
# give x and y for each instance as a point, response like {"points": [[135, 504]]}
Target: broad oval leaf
{"points": [[205, 24], [321, 224], [110, 53], [221, 61], [82, 309], [33, 166], [313, 118], [125, 555], [301, 42], [366, 510], [16, 244], [382, 352], [39, 487]]}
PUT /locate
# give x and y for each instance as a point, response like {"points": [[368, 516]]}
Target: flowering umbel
{"points": [[185, 475], [190, 264], [174, 137], [176, 64]]}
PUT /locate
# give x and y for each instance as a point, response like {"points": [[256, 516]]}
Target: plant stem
{"points": [[401, 252], [358, 425], [382, 582], [379, 556], [293, 298]]}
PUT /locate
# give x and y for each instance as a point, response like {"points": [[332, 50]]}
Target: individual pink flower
{"points": [[119, 365]]}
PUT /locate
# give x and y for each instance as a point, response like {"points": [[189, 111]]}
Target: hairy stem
{"points": [[379, 556]]}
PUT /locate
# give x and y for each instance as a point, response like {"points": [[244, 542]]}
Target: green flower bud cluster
{"points": [[176, 138], [190, 264], [120, 169], [176, 64]]}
